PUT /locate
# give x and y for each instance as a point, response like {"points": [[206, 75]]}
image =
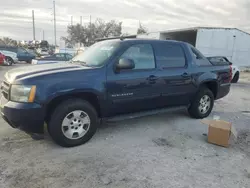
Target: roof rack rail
{"points": [[122, 37]]}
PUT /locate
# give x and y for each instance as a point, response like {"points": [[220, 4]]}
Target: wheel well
{"points": [[90, 97], [213, 86], [9, 57]]}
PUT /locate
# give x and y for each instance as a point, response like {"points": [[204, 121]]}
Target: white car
{"points": [[10, 57], [222, 59], [43, 52]]}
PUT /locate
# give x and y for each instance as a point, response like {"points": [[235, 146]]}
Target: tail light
{"points": [[231, 73]]}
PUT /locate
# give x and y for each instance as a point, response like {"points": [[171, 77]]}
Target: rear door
{"points": [[136, 89], [177, 86]]}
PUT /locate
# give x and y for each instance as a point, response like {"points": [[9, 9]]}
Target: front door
{"points": [[136, 89]]}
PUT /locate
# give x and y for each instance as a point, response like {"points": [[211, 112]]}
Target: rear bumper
{"points": [[28, 117], [223, 90]]}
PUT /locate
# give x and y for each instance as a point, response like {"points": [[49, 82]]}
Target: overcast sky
{"points": [[16, 20]]}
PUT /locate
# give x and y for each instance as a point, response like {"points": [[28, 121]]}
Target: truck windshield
{"points": [[97, 54]]}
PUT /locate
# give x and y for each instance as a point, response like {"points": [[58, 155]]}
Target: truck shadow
{"points": [[146, 121]]}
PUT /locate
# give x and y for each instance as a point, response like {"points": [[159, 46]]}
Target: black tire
{"points": [[236, 77], [61, 111], [29, 61], [9, 61], [194, 107]]}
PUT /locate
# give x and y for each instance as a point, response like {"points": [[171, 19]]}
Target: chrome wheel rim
{"points": [[75, 124], [205, 103], [8, 61]]}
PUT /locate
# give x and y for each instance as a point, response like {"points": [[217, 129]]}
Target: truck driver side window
{"points": [[142, 55]]}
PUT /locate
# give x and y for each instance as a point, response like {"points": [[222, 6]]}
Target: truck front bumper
{"points": [[28, 117]]}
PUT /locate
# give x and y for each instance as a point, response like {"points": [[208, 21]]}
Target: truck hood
{"points": [[37, 70]]}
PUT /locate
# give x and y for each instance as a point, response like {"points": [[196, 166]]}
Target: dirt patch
{"points": [[246, 112], [162, 142], [243, 141]]}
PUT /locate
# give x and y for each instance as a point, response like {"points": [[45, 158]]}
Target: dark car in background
{"points": [[22, 53], [55, 58]]}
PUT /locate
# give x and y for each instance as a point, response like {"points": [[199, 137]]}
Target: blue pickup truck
{"points": [[111, 80]]}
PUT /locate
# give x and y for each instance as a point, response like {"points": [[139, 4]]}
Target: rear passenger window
{"points": [[169, 55], [142, 55]]}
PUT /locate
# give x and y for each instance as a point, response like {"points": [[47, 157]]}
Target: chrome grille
{"points": [[5, 88]]}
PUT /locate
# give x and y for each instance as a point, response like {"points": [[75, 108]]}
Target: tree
{"points": [[87, 34], [141, 29], [8, 41]]}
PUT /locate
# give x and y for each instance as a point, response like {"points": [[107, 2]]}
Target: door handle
{"points": [[152, 78], [185, 75]]}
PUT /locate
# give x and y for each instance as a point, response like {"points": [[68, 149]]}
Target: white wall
{"points": [[152, 35], [221, 42]]}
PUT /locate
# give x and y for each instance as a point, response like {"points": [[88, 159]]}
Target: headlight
{"points": [[22, 93]]}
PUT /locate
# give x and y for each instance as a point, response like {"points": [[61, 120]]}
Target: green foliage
{"points": [[141, 29], [87, 34], [8, 41]]}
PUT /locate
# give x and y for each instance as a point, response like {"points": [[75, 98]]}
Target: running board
{"points": [[143, 113]]}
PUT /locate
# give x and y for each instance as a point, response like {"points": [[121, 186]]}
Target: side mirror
{"points": [[125, 64]]}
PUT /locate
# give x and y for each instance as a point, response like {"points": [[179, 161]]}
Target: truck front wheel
{"points": [[73, 123], [202, 104]]}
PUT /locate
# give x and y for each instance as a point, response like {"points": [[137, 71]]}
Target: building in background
{"points": [[230, 42]]}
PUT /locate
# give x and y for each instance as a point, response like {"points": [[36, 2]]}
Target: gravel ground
{"points": [[167, 150]]}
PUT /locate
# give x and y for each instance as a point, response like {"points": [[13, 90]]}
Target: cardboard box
{"points": [[220, 132]]}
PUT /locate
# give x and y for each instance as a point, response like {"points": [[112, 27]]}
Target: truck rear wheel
{"points": [[202, 104], [73, 123]]}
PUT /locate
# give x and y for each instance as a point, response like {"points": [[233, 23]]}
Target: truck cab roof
{"points": [[140, 40]]}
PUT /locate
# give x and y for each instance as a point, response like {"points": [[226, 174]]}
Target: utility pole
{"points": [[71, 20], [81, 20], [33, 20], [43, 34], [90, 20], [54, 7]]}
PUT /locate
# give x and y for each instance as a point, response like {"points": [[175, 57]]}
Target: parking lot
{"points": [[167, 150]]}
